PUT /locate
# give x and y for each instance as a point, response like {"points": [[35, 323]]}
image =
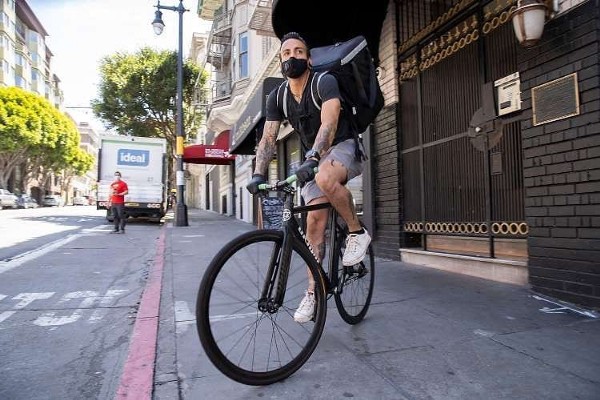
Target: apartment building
{"points": [[27, 63], [240, 54], [26, 59], [195, 173], [90, 143]]}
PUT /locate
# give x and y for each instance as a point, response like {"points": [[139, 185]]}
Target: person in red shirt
{"points": [[118, 190]]}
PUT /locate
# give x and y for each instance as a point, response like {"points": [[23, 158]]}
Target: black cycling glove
{"points": [[256, 180], [306, 172]]}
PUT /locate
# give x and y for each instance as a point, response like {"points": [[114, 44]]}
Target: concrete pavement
{"points": [[429, 334]]}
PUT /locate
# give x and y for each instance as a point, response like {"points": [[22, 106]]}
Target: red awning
{"points": [[215, 154]]}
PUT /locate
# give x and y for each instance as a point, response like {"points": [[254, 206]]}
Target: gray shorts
{"points": [[343, 153]]}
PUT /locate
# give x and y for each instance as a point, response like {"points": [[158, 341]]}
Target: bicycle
{"points": [[253, 285]]}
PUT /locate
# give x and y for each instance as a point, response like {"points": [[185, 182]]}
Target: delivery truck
{"points": [[142, 163]]}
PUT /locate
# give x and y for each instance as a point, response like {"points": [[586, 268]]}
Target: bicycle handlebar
{"points": [[286, 182]]}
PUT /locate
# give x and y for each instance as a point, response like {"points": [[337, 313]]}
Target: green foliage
{"points": [[137, 94], [32, 130]]}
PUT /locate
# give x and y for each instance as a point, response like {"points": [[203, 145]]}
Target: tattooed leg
{"points": [[331, 180]]}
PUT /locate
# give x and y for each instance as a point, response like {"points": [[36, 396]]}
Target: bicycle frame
{"points": [[294, 234]]}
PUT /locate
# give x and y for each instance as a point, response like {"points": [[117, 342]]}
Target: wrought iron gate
{"points": [[459, 181]]}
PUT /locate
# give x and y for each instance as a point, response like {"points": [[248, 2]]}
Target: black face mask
{"points": [[293, 67]]}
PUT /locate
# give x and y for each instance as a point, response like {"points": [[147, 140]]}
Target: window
{"points": [[20, 27], [243, 57]]}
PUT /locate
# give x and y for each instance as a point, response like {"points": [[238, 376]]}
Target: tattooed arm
{"points": [[266, 147], [330, 113]]}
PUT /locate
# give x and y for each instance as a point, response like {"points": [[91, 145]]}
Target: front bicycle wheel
{"points": [[247, 337], [354, 287]]}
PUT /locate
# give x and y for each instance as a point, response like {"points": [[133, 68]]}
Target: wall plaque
{"points": [[555, 100]]}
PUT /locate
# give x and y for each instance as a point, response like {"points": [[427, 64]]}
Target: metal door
{"points": [[461, 165]]}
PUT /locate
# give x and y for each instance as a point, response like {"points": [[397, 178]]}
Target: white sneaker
{"points": [[306, 309], [356, 248]]}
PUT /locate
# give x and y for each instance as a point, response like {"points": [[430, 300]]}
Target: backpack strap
{"points": [[314, 89], [282, 98]]}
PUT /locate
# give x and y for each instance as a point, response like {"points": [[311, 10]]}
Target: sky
{"points": [[82, 32]]}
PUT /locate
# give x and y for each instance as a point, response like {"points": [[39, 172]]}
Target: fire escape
{"points": [[219, 53], [260, 19]]}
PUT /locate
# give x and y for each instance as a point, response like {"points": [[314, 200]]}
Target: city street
{"points": [[85, 314], [23, 230], [467, 133], [69, 293]]}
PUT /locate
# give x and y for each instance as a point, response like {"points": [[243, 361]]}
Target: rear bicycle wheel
{"points": [[246, 344], [355, 287]]}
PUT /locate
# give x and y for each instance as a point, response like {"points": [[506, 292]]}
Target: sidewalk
{"points": [[429, 334]]}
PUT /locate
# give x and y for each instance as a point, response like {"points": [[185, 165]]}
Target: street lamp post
{"points": [[181, 214]]}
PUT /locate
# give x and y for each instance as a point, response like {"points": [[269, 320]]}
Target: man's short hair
{"points": [[295, 35], [117, 173]]}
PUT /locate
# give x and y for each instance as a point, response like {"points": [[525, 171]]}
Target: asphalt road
{"points": [[23, 230], [69, 293]]}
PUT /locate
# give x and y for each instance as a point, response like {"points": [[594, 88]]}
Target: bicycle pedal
{"points": [[357, 269]]}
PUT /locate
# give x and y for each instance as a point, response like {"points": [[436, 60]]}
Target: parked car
{"points": [[7, 199], [80, 201], [91, 200], [52, 201], [25, 201]]}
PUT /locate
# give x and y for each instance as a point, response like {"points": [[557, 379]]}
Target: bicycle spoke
{"points": [[265, 342], [252, 340], [354, 290], [232, 296]]}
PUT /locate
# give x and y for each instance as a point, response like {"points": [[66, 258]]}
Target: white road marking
{"points": [[192, 236], [183, 316], [562, 307], [96, 229], [26, 299], [105, 301], [218, 318], [51, 319], [32, 255]]}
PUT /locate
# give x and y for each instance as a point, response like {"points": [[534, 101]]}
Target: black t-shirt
{"points": [[305, 117]]}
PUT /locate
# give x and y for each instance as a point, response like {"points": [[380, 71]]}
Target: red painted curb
{"points": [[137, 379]]}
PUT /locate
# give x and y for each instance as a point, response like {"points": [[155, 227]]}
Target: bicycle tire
{"points": [[354, 292], [231, 269]]}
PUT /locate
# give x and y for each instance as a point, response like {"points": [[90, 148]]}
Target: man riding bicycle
{"points": [[329, 144]]}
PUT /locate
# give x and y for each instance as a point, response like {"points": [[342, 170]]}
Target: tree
{"points": [[137, 94], [36, 134]]}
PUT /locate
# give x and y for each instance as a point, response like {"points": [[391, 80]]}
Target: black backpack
{"points": [[351, 63]]}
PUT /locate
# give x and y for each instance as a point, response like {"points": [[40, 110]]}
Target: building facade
{"points": [[485, 158], [26, 59], [236, 54], [85, 186], [27, 63]]}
